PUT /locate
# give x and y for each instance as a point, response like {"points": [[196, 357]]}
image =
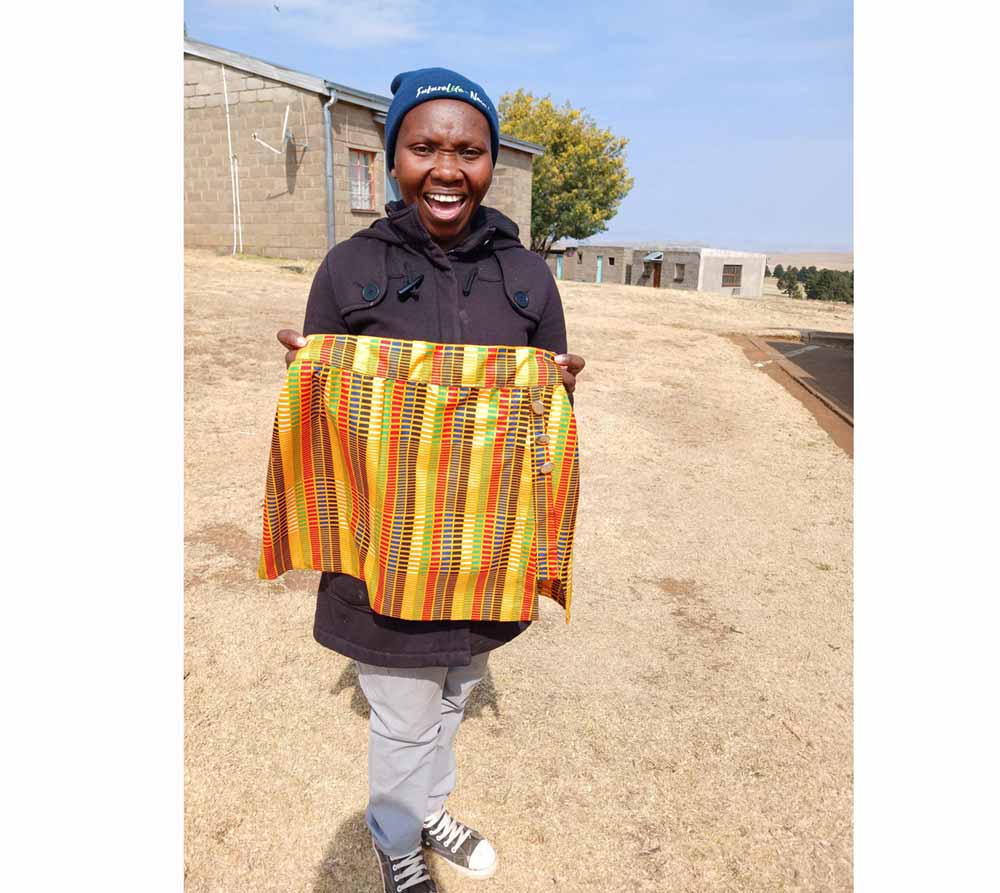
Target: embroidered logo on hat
{"points": [[451, 88], [410, 88]]}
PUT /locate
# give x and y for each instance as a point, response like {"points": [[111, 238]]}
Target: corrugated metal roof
{"points": [[654, 255], [374, 101]]}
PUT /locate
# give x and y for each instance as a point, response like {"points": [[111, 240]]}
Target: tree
{"points": [[831, 285], [807, 278], [767, 271], [789, 285], [779, 271], [578, 184]]}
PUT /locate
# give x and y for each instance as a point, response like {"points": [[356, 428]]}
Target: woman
{"points": [[440, 267]]}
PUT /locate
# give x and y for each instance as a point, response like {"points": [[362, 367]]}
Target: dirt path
{"points": [[690, 730]]}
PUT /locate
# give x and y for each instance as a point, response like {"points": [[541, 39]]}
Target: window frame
{"points": [[372, 197], [680, 271], [727, 270]]}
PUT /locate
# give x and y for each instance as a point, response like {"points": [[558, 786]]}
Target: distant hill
{"points": [[830, 260]]}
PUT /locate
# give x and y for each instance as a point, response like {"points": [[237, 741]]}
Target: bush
{"points": [[831, 285]]}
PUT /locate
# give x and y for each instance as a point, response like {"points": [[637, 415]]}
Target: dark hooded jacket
{"points": [[489, 289]]}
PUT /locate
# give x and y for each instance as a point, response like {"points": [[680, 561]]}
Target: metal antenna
{"points": [[285, 135]]}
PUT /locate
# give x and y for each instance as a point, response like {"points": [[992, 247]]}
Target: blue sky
{"points": [[738, 114]]}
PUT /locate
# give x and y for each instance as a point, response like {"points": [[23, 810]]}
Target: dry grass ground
{"points": [[690, 730]]}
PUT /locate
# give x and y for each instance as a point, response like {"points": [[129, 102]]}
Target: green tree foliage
{"points": [[578, 184], [789, 284], [831, 285], [779, 271]]}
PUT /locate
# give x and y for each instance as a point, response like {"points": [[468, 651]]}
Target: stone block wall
{"points": [[581, 266], [633, 258], [510, 192], [282, 197], [691, 261], [354, 127]]}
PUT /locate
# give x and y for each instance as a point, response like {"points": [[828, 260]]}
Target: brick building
{"points": [[738, 273], [590, 263], [698, 269], [294, 193]]}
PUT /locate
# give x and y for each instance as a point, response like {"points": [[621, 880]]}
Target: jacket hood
{"points": [[401, 226]]}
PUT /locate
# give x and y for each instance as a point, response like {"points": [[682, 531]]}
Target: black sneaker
{"points": [[408, 872], [464, 849]]}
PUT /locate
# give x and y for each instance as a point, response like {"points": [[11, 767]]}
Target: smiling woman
{"points": [[443, 166], [446, 279]]}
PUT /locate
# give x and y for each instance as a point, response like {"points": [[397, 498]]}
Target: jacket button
{"points": [[537, 407], [371, 292], [521, 298], [547, 467]]}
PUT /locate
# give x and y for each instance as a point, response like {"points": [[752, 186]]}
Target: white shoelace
{"points": [[414, 869], [449, 832]]}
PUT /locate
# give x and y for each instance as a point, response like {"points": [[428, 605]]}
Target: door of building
{"points": [[559, 258], [600, 268], [656, 274]]}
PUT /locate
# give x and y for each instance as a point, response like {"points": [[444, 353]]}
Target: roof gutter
{"points": [[328, 133]]}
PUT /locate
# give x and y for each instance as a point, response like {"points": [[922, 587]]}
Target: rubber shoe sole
{"points": [[480, 875]]}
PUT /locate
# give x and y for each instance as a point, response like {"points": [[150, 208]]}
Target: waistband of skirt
{"points": [[473, 365]]}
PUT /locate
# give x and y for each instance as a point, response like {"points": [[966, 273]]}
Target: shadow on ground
{"points": [[484, 696], [349, 861]]}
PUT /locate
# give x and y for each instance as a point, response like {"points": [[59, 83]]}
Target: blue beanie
{"points": [[410, 88]]}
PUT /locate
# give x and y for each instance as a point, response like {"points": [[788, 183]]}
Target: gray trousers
{"points": [[415, 714]]}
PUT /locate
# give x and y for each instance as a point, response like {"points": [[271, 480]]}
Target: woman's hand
{"points": [[570, 365], [291, 340]]}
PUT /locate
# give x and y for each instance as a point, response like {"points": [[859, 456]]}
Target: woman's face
{"points": [[443, 165]]}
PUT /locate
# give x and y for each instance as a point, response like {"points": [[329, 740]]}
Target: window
{"points": [[678, 272], [611, 261], [362, 180], [731, 275], [579, 257]]}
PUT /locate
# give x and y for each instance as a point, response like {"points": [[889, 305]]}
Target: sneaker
{"points": [[464, 849], [408, 872]]}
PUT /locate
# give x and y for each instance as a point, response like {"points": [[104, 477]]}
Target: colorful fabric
{"points": [[446, 476]]}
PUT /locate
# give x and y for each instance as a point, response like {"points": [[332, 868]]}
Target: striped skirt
{"points": [[446, 476]]}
